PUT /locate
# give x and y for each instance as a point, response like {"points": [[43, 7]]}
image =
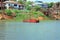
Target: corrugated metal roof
{"points": [[13, 2]]}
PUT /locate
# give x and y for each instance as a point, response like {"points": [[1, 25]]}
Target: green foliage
{"points": [[37, 8], [41, 14], [16, 11], [38, 13], [35, 13], [28, 7], [0, 11], [9, 13], [50, 5], [21, 1], [14, 0], [28, 3]]}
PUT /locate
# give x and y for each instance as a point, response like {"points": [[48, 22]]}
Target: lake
{"points": [[30, 31]]}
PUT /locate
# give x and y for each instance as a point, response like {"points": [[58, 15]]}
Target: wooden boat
{"points": [[31, 21]]}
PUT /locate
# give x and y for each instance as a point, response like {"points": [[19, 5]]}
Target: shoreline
{"points": [[22, 21]]}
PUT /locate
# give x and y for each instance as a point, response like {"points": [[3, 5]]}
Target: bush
{"points": [[16, 11], [41, 14], [38, 13], [50, 4], [37, 7], [28, 7], [8, 12]]}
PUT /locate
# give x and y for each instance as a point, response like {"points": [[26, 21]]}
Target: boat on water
{"points": [[31, 21]]}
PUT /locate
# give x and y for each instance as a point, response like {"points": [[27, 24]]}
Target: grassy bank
{"points": [[21, 15]]}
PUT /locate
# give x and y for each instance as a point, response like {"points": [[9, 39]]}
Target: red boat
{"points": [[31, 21]]}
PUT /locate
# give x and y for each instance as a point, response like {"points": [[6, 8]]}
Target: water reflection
{"points": [[31, 31], [2, 30]]}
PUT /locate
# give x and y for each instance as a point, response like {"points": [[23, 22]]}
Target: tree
{"points": [[21, 2], [8, 12], [37, 8], [28, 5], [50, 4], [14, 0]]}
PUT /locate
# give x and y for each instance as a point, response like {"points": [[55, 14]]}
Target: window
{"points": [[9, 4], [19, 5], [15, 4]]}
